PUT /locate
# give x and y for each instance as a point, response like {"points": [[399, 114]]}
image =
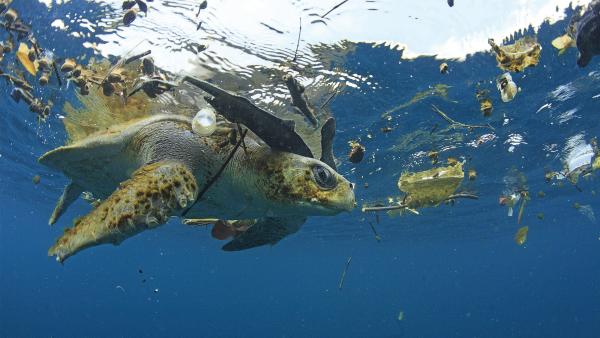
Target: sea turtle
{"points": [[588, 34], [524, 53], [154, 167]]}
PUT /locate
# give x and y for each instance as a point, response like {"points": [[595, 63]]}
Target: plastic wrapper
{"points": [[431, 187]]}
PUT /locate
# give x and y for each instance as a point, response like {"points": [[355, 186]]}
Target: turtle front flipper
{"points": [[268, 230], [69, 195], [155, 192]]}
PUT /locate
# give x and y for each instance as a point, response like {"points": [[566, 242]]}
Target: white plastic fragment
{"points": [[507, 87]]}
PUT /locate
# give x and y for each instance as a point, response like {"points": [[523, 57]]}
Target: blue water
{"points": [[454, 271]]}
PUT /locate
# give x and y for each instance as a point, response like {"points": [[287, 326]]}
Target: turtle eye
{"points": [[324, 177]]}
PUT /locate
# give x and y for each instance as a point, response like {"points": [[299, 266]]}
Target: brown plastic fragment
{"points": [[357, 152]]}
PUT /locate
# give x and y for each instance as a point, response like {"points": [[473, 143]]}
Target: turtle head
{"points": [[304, 186]]}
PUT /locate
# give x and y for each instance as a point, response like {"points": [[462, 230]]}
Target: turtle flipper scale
{"points": [[155, 192]]}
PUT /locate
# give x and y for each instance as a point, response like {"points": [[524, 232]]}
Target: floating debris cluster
{"points": [[515, 57], [132, 8], [441, 184], [30, 55]]}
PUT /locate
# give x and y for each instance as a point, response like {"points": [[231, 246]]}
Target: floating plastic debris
{"points": [[205, 122], [430, 187], [524, 199], [357, 152], [524, 53], [563, 43], [596, 163], [444, 68], [23, 56], [300, 102], [521, 235], [510, 201], [472, 175], [438, 90], [455, 124], [433, 155], [377, 237], [578, 159], [68, 66], [486, 107], [485, 103], [507, 87], [344, 273], [587, 211], [130, 16]]}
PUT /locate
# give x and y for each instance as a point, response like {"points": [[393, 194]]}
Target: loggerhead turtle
{"points": [[149, 169]]}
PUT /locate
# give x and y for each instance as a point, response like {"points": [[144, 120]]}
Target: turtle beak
{"points": [[354, 204], [350, 201], [342, 198]]}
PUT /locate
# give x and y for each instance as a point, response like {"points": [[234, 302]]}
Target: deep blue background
{"points": [[454, 271]]}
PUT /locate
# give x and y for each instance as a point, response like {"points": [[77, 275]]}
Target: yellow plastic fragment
{"points": [[563, 42], [22, 55], [521, 235], [596, 163], [431, 187]]}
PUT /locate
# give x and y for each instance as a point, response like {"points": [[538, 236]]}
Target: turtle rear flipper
{"points": [[268, 230], [155, 192], [69, 195]]}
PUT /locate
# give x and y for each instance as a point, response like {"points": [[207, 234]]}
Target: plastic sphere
{"points": [[205, 122]]}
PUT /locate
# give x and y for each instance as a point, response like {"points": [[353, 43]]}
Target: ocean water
{"points": [[451, 271]]}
